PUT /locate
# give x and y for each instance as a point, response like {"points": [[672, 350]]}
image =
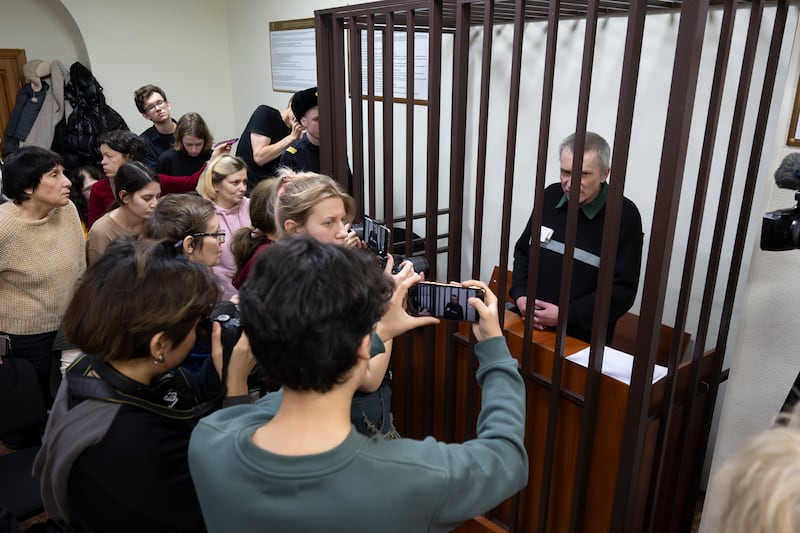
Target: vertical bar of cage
{"points": [[432, 179], [691, 32], [482, 139], [325, 30], [533, 268], [455, 225], [693, 239], [388, 119], [762, 117], [410, 90], [371, 141], [356, 112], [608, 254]]}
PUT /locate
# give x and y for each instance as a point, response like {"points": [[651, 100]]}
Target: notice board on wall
{"points": [[293, 53]]}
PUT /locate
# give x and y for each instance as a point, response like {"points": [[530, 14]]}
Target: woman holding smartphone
{"points": [[316, 206]]}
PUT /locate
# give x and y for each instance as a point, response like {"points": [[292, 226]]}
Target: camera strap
{"points": [[162, 399]]}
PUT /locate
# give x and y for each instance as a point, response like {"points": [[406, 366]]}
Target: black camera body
{"points": [[780, 229], [227, 315]]}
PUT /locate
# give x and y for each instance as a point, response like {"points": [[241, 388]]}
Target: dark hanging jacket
{"points": [[76, 138]]}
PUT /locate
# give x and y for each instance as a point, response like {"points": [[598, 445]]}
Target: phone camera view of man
{"points": [[448, 302], [377, 236]]}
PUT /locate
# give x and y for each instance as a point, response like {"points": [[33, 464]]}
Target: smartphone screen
{"points": [[377, 236], [448, 302]]}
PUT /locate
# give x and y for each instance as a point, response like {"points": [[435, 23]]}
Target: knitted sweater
{"points": [[40, 262]]}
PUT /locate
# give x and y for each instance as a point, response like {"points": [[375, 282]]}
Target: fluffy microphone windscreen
{"points": [[788, 174]]}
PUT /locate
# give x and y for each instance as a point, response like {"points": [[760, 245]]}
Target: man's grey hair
{"points": [[593, 142]]}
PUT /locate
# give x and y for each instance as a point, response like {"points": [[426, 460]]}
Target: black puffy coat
{"points": [[76, 136]]}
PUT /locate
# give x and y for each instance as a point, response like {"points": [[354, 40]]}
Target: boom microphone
{"points": [[788, 174]]}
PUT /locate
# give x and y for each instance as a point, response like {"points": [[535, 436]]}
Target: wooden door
{"points": [[11, 79]]}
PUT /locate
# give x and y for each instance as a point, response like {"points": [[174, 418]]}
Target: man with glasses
{"points": [[152, 103]]}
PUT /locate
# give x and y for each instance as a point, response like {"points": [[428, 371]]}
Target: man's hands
{"points": [[545, 314]]}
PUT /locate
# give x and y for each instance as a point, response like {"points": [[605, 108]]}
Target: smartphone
{"points": [[376, 236], [448, 302], [229, 141]]}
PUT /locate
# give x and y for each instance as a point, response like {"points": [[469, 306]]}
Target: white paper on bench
{"points": [[616, 364]]}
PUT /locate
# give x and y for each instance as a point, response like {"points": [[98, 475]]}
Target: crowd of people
{"points": [[129, 259]]}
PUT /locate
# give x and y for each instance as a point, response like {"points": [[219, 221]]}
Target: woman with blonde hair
{"points": [[224, 182], [315, 205]]}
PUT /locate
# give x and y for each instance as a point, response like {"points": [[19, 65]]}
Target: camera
{"points": [[780, 229], [227, 315], [377, 236]]}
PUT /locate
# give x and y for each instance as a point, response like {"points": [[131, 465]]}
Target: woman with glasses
{"points": [[191, 224], [137, 192], [116, 148], [224, 182]]}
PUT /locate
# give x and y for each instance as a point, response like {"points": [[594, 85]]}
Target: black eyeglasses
{"points": [[220, 235], [155, 105]]}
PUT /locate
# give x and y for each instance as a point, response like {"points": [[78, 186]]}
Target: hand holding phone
{"points": [[448, 302], [227, 142]]}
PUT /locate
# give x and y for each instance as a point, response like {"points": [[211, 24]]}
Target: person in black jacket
{"points": [[592, 198], [114, 453]]}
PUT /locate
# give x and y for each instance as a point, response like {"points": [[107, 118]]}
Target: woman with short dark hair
{"points": [[114, 452], [41, 254], [116, 148]]}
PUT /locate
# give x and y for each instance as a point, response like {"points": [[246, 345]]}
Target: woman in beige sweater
{"points": [[41, 255]]}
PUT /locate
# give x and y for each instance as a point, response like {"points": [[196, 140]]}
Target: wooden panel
{"points": [[11, 79], [607, 442]]}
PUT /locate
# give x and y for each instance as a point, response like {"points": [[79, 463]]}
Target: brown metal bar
{"points": [[751, 179], [432, 177], [483, 135], [533, 266], [327, 125], [356, 115], [388, 118], [704, 171], [573, 208], [371, 141], [673, 158], [458, 143], [608, 255], [410, 77]]}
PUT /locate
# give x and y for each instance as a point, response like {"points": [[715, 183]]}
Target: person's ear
{"points": [[291, 227], [159, 343], [363, 350], [605, 176], [303, 121], [123, 196], [188, 245], [28, 191], [145, 116]]}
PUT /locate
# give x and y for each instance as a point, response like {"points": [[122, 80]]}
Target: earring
{"points": [[158, 359]]}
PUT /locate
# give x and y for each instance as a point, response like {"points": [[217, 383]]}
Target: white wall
{"points": [[179, 45]]}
